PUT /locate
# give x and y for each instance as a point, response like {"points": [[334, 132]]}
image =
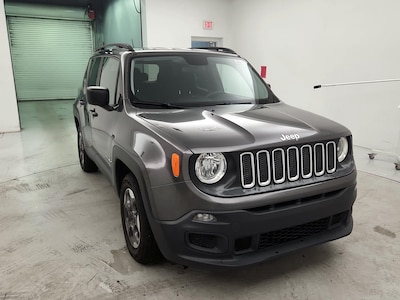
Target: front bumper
{"points": [[244, 237]]}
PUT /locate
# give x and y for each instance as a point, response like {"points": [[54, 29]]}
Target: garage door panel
{"points": [[49, 56]]}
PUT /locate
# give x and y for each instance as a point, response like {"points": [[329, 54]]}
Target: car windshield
{"points": [[188, 80]]}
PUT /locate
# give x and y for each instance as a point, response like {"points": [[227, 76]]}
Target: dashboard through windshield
{"points": [[189, 80]]}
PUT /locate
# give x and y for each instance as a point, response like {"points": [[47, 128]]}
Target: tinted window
{"points": [[109, 76], [196, 80], [234, 81], [93, 71]]}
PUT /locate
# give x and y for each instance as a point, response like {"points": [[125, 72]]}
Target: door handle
{"points": [[94, 113]]}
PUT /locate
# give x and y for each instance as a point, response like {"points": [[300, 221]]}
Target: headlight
{"points": [[210, 167], [342, 149]]}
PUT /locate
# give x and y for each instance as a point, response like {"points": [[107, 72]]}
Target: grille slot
{"points": [[319, 159], [247, 169], [280, 165], [302, 231], [330, 159], [293, 233], [293, 163], [263, 168], [306, 161]]}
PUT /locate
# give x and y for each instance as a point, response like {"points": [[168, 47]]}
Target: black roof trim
{"points": [[115, 46], [217, 49]]}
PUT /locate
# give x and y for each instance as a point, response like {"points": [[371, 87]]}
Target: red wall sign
{"points": [[208, 25], [264, 71]]}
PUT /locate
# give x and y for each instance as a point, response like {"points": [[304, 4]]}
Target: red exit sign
{"points": [[207, 25]]}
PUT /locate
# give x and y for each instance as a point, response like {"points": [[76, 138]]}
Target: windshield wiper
{"points": [[156, 104], [233, 102]]}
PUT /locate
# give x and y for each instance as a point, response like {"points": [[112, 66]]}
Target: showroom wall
{"points": [[306, 43], [172, 23], [309, 42], [121, 22], [9, 119]]}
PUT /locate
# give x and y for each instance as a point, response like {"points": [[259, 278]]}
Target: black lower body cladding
{"points": [[245, 237]]}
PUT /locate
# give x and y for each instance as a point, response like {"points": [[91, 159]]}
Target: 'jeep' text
{"points": [[287, 137]]}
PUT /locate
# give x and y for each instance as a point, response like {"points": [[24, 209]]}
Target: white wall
{"points": [[309, 42], [9, 119], [172, 23], [122, 23]]}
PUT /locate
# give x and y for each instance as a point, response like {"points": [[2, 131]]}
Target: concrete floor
{"points": [[61, 237]]}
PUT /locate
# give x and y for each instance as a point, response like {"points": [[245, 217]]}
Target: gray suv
{"points": [[210, 166]]}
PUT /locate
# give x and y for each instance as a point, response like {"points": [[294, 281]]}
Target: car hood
{"points": [[240, 127]]}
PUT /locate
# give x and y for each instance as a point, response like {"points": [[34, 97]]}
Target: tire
{"points": [[138, 236], [86, 163]]}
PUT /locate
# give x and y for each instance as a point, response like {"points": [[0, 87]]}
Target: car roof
{"points": [[119, 48]]}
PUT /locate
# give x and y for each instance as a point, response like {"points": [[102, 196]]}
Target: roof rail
{"points": [[115, 46], [217, 49]]}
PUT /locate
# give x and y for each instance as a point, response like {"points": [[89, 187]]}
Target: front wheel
{"points": [[138, 236]]}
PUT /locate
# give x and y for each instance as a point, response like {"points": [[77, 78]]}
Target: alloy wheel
{"points": [[132, 218]]}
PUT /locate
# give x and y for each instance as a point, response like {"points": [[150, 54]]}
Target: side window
{"points": [[93, 71], [109, 76], [118, 94]]}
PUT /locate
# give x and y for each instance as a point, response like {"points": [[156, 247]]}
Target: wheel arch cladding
{"points": [[125, 164]]}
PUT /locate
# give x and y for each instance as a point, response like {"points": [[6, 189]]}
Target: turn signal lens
{"points": [[175, 164]]}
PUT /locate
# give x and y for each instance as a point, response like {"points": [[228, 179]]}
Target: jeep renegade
{"points": [[210, 166]]}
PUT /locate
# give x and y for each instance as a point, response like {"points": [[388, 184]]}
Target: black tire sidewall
{"points": [[147, 249], [88, 165]]}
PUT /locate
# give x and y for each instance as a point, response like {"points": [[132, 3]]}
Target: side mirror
{"points": [[97, 95]]}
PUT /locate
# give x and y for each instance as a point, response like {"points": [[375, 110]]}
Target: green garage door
{"points": [[49, 56]]}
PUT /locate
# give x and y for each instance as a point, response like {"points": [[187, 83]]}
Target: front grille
{"points": [[290, 234], [279, 165], [302, 231]]}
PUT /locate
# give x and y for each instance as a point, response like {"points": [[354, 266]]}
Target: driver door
{"points": [[104, 120]]}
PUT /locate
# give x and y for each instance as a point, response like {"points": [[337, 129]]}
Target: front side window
{"points": [[195, 80], [93, 71], [109, 76]]}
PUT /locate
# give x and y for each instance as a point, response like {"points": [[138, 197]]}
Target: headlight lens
{"points": [[342, 149], [210, 167]]}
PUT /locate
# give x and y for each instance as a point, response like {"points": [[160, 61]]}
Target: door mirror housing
{"points": [[98, 95]]}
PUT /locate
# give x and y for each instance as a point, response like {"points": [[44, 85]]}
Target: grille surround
{"points": [[287, 164]]}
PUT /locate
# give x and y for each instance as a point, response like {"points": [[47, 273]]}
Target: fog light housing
{"points": [[204, 217]]}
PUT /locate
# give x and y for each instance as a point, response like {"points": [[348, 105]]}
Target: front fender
{"points": [[125, 162]]}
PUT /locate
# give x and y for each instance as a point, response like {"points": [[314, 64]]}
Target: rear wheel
{"points": [[138, 236], [86, 163]]}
